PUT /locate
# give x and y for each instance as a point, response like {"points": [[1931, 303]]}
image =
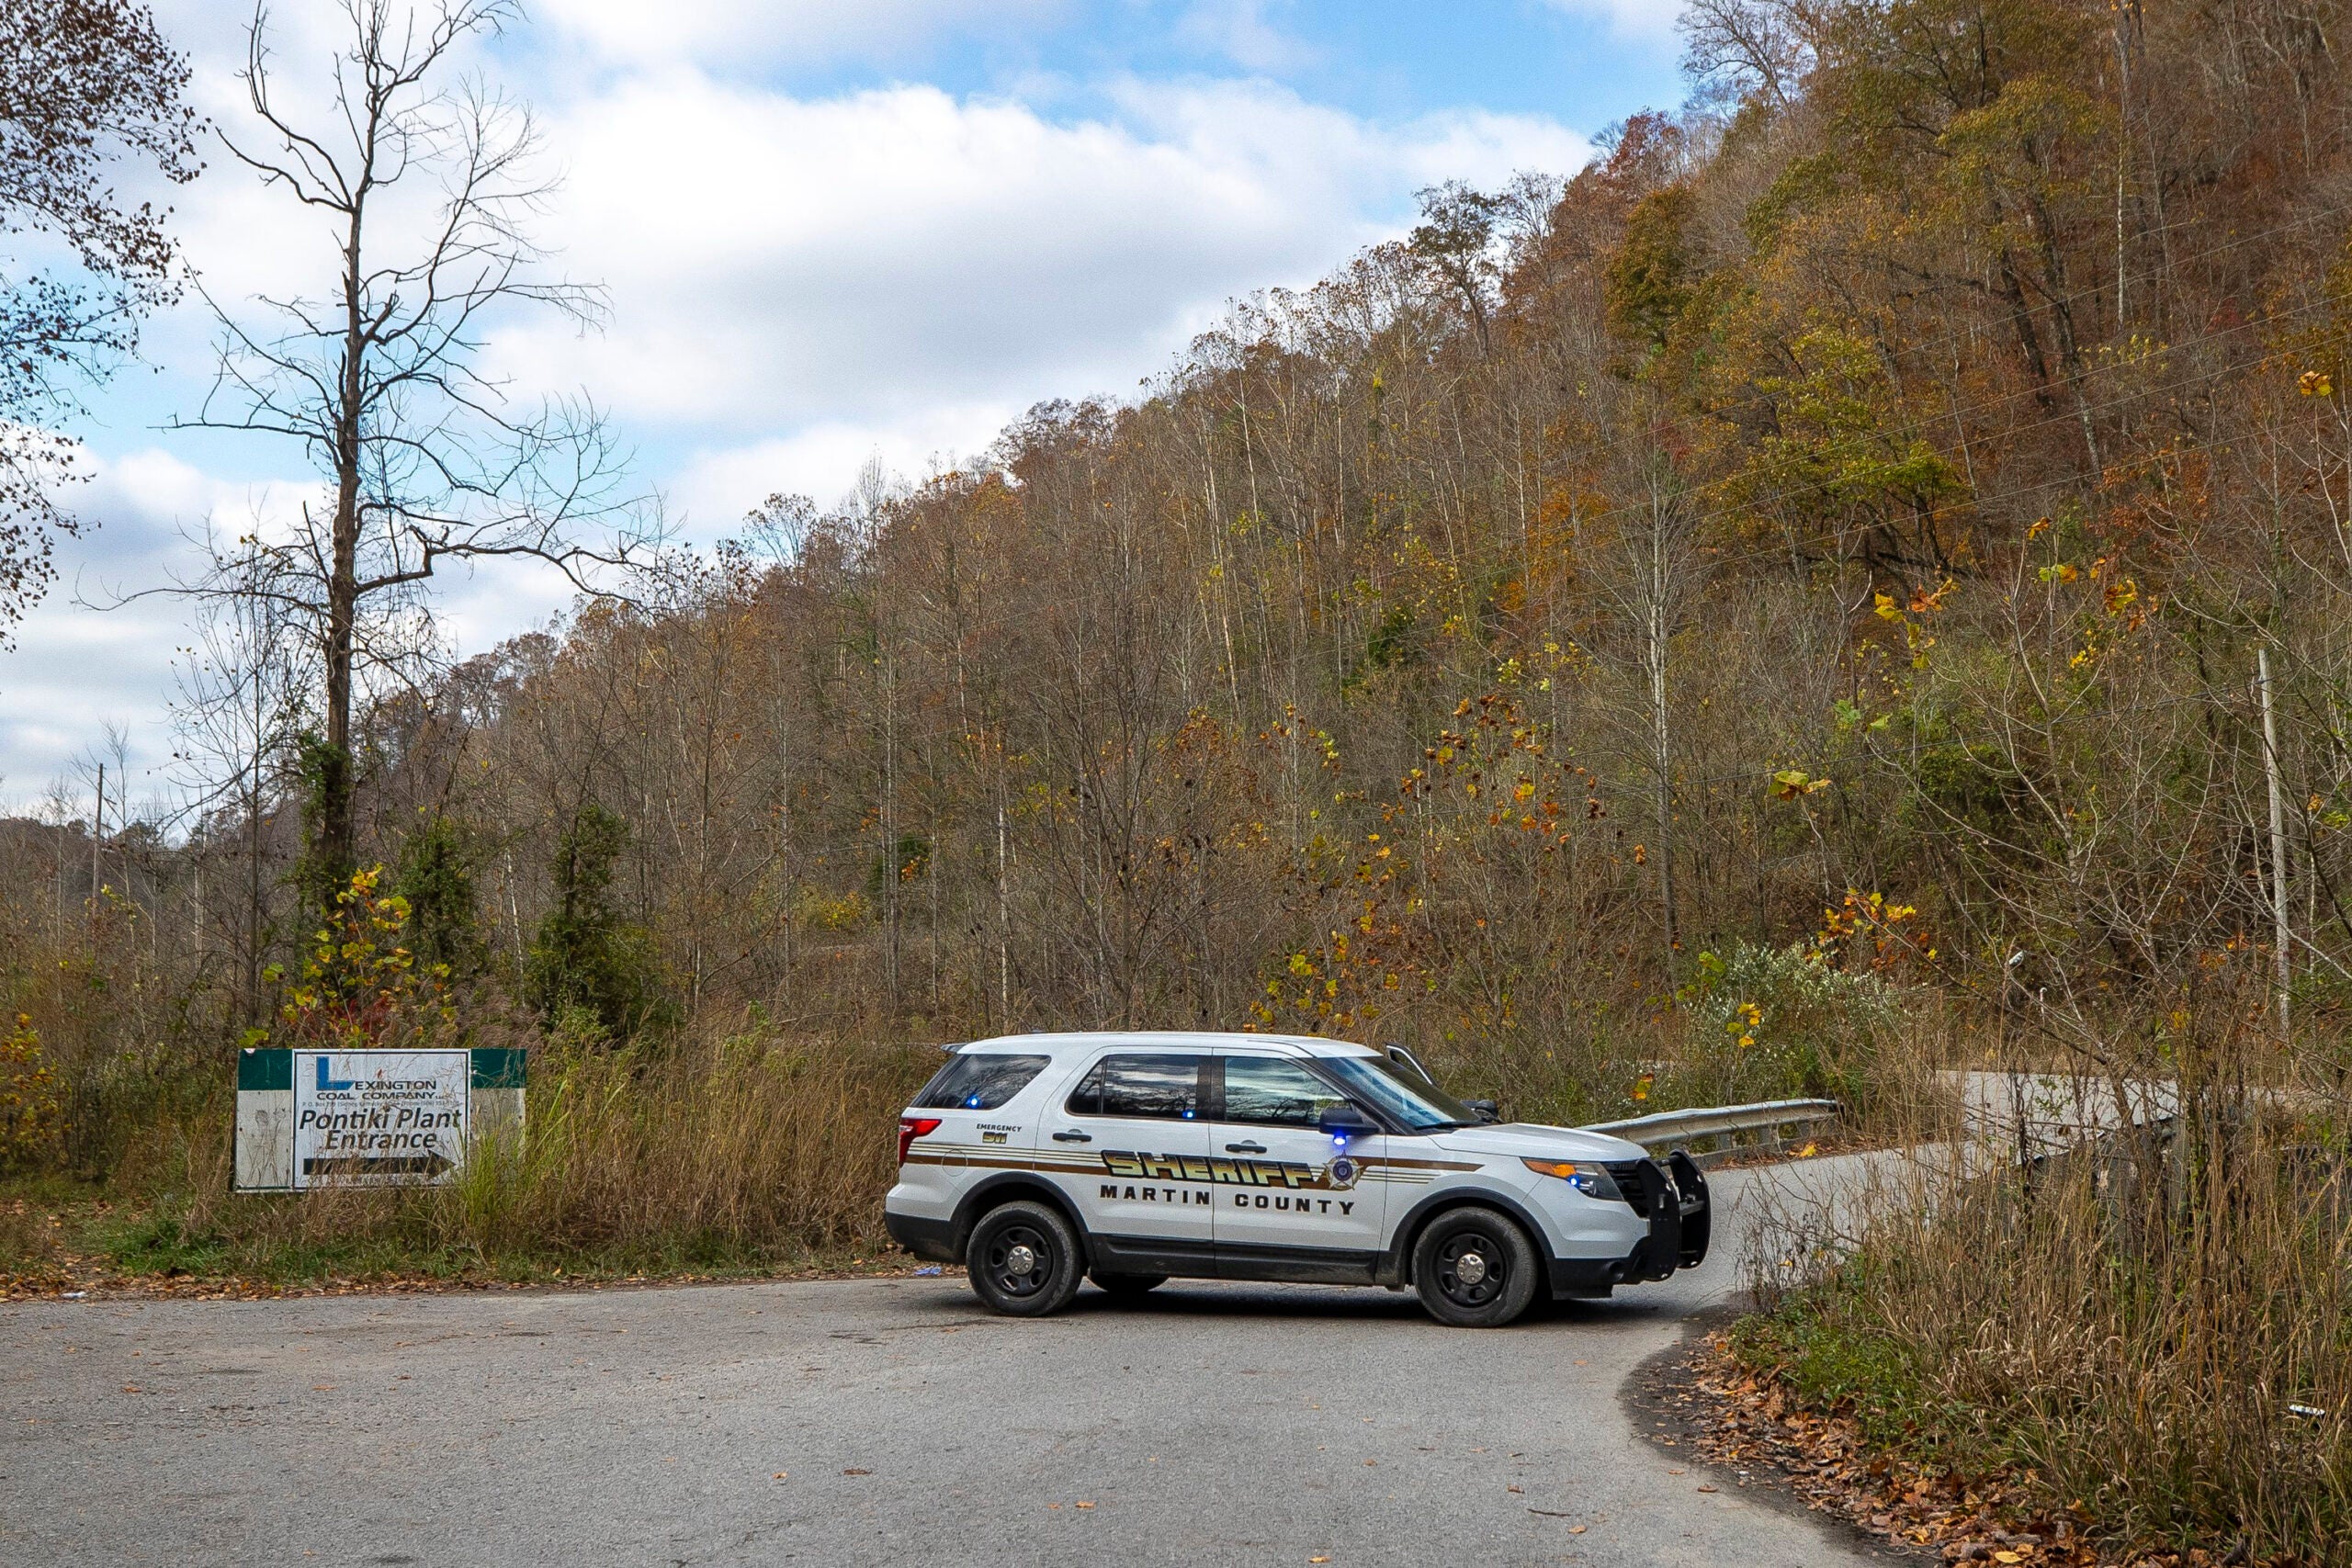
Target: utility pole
{"points": [[97, 834], [2278, 838]]}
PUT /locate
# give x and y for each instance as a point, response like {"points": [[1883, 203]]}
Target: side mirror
{"points": [[1345, 1120], [1486, 1110]]}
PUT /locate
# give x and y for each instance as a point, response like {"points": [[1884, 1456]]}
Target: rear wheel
{"points": [[1127, 1286], [1023, 1260], [1474, 1268]]}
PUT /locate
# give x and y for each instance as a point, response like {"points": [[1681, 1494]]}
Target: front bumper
{"points": [[1674, 1199]]}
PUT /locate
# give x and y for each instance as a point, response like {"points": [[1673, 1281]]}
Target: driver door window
{"points": [[1268, 1091]]}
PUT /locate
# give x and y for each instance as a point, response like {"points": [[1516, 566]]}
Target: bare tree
{"points": [[1758, 49], [1652, 588], [381, 378], [240, 704]]}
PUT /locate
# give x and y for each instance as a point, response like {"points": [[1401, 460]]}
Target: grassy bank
{"points": [[2156, 1332], [723, 1154]]}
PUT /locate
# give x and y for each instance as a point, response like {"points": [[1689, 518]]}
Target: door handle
{"points": [[1245, 1149], [1073, 1137]]}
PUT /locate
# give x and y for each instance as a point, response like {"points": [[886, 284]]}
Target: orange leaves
{"points": [[1869, 920], [1925, 603]]}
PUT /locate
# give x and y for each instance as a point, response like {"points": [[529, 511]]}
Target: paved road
{"points": [[1216, 1424]]}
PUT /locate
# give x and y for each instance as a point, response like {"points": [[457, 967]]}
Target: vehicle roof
{"points": [[1073, 1043]]}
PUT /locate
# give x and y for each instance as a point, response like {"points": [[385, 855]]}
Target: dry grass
{"points": [[715, 1153], [2144, 1324]]}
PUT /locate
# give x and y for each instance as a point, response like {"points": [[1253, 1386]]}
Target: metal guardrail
{"points": [[1721, 1123]]}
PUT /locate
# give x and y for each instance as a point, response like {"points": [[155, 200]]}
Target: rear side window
{"points": [[1160, 1087], [978, 1082]]}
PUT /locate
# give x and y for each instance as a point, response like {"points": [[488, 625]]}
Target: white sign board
{"points": [[379, 1118]]}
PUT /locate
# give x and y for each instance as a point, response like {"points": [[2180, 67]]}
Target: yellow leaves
{"points": [[1301, 966], [2120, 595], [1884, 606], [1524, 791], [1791, 782], [2315, 384], [1643, 1085], [2040, 526], [31, 1114], [2065, 571]]}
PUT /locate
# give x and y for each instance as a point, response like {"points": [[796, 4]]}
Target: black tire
{"points": [[1475, 1269], [1127, 1286], [1023, 1260]]}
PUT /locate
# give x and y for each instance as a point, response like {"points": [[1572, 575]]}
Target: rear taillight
{"points": [[913, 1127]]}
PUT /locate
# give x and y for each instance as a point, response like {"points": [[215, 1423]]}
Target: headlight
{"points": [[1593, 1180]]}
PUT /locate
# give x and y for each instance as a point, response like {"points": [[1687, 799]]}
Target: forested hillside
{"points": [[1854, 510], [1945, 409]]}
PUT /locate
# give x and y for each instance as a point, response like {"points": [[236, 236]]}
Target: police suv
{"points": [[1036, 1159]]}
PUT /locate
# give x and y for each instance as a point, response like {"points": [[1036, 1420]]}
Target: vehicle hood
{"points": [[1528, 1139]]}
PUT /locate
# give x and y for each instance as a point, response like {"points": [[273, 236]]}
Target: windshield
{"points": [[1378, 1085]]}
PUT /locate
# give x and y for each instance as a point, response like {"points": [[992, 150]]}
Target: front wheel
{"points": [[1474, 1268], [1023, 1260]]}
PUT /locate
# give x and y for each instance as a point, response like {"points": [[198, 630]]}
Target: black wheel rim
{"points": [[1006, 1255], [1470, 1272]]}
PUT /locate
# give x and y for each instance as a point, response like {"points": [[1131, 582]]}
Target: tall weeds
{"points": [[2155, 1320], [713, 1152]]}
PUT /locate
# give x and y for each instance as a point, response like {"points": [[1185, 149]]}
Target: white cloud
{"points": [[823, 460], [77, 669], [743, 32], [1649, 21], [1240, 31], [866, 259]]}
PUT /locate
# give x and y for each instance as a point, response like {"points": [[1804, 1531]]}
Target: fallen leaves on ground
{"points": [[1749, 1424]]}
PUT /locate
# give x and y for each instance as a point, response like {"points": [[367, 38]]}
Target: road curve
{"points": [[1213, 1424]]}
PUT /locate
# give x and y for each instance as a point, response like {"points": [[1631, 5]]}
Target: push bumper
{"points": [[1681, 1222]]}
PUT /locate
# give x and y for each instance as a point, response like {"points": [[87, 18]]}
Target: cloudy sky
{"points": [[829, 229]]}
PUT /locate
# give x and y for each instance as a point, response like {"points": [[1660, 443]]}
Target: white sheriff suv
{"points": [[1035, 1159]]}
